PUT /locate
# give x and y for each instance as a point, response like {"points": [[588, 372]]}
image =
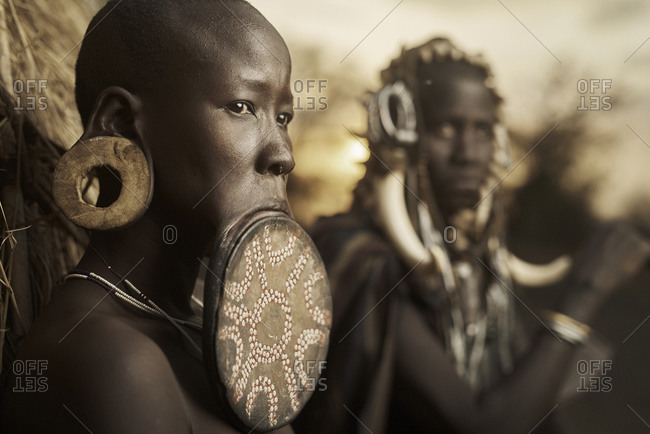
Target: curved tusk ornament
{"points": [[527, 274], [396, 222]]}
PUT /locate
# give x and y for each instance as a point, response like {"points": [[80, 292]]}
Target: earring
{"points": [[125, 161]]}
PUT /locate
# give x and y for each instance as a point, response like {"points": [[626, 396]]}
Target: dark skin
{"points": [[220, 150], [459, 141], [460, 149]]}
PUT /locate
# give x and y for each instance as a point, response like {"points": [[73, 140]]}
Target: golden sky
{"points": [[529, 45]]}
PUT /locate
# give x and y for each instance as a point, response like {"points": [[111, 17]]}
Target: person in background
{"points": [[425, 336]]}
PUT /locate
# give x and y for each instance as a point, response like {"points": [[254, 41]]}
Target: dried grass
{"points": [[39, 40]]}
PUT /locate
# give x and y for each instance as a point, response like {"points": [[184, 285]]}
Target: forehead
{"points": [[234, 42], [455, 93]]}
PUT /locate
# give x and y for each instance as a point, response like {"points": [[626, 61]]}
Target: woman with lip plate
{"points": [[185, 106]]}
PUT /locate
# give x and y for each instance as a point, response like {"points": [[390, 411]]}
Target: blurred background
{"points": [[574, 76], [538, 52]]}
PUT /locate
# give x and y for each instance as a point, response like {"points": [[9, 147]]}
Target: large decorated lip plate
{"points": [[268, 314]]}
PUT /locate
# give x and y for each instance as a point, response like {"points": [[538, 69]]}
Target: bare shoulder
{"points": [[101, 372]]}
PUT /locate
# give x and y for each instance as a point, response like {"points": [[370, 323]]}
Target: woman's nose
{"points": [[276, 157]]}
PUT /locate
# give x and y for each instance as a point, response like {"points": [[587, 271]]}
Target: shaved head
{"points": [[140, 44]]}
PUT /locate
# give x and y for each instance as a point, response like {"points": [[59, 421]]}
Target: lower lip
{"points": [[259, 214]]}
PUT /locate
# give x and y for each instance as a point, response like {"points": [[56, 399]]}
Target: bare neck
{"points": [[160, 256]]}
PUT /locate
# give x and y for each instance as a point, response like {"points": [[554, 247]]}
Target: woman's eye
{"points": [[284, 119], [241, 108]]}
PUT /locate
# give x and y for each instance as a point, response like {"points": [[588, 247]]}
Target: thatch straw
{"points": [[43, 38], [39, 41]]}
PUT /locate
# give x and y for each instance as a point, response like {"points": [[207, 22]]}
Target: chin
{"points": [[457, 202]]}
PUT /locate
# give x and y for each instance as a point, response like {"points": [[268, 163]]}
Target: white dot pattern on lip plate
{"points": [[237, 291], [278, 256], [273, 327], [321, 316], [264, 385], [307, 338]]}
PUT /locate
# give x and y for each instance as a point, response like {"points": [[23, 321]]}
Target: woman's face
{"points": [[218, 135]]}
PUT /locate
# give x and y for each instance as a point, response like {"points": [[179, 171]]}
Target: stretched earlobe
{"points": [[123, 161]]}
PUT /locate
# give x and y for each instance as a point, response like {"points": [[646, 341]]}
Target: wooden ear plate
{"points": [[125, 160]]}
